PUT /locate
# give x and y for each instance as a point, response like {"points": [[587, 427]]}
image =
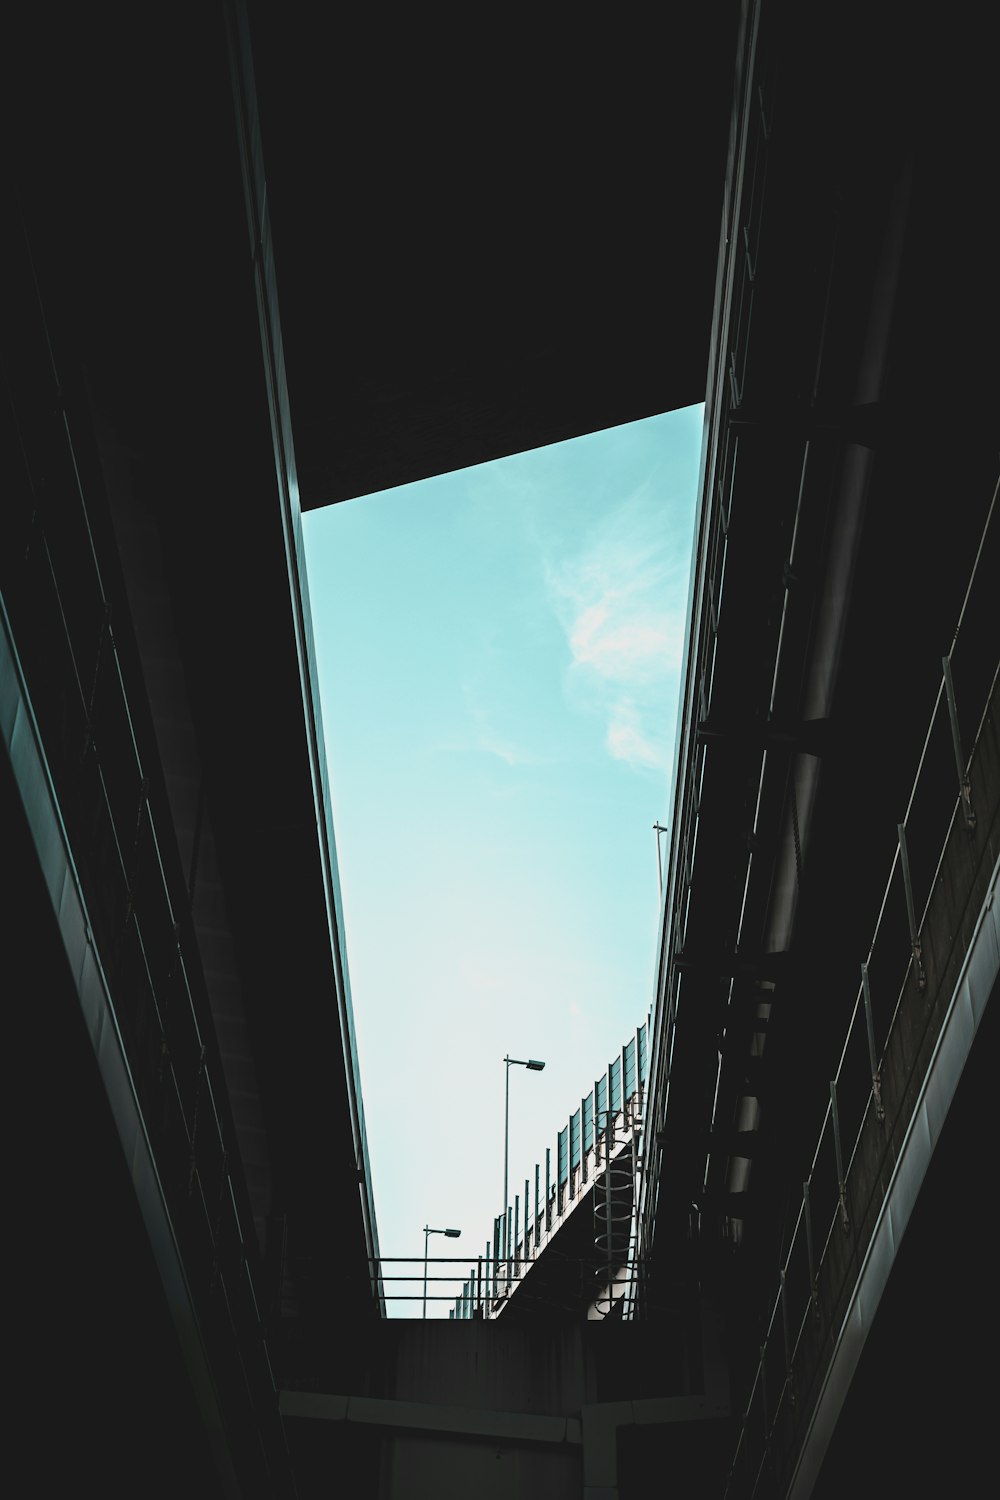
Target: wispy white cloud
{"points": [[624, 640], [621, 600], [627, 741]]}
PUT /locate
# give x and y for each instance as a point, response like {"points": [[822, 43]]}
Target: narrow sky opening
{"points": [[499, 653]]}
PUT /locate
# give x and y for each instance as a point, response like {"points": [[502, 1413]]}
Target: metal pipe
{"points": [[506, 1139]]}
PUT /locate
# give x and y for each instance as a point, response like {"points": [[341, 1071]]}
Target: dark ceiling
{"points": [[485, 241], [488, 239]]}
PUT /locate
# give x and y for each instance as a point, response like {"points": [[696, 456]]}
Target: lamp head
{"points": [[453, 1234], [534, 1066]]}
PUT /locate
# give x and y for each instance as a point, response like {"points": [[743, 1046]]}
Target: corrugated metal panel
{"points": [[574, 1139], [588, 1121], [563, 1152]]}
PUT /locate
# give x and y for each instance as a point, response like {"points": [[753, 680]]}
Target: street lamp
{"points": [[533, 1066], [452, 1234]]}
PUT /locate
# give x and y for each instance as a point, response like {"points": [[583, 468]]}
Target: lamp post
{"points": [[533, 1066], [452, 1234]]}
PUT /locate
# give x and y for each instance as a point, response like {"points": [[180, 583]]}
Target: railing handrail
{"points": [[203, 1114], [758, 1380]]}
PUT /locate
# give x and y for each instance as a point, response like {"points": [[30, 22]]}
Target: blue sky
{"points": [[498, 653]]}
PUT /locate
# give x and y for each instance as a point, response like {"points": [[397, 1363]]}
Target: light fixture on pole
{"points": [[533, 1066], [452, 1234]]}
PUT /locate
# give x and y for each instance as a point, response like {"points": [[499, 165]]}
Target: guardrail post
{"points": [[517, 1215], [813, 1287], [583, 1141], [964, 789], [845, 1221], [872, 1056], [570, 1185], [496, 1256], [510, 1225], [788, 1347], [911, 916]]}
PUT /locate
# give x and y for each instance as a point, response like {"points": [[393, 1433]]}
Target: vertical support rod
{"points": [[479, 1286], [607, 1196], [538, 1191], [911, 915], [964, 789], [496, 1256], [527, 1200], [813, 1287], [788, 1343], [569, 1157], [548, 1189], [872, 1056], [517, 1213], [506, 1139], [845, 1221], [426, 1236]]}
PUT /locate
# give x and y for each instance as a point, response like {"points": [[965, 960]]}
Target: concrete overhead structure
{"points": [[260, 259]]}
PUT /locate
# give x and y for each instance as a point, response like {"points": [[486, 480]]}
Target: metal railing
{"points": [[422, 1277], [941, 808], [481, 1282], [62, 629], [737, 284], [610, 1109]]}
